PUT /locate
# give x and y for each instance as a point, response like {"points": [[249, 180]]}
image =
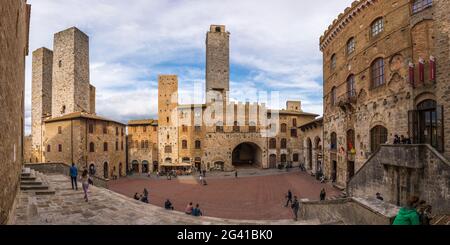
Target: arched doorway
{"points": [[145, 166], [247, 155], [351, 151], [273, 161], [310, 153], [427, 126], [92, 169], [318, 154], [378, 136], [155, 166], [135, 166], [105, 170]]}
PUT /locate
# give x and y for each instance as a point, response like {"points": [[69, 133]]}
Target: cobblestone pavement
{"points": [[107, 207], [254, 198]]}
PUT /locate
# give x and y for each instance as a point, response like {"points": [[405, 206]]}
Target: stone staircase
{"points": [[34, 182], [440, 220]]}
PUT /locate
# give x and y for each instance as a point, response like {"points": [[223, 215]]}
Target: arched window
{"points": [[293, 132], [48, 148], [377, 72], [186, 160], [333, 62], [333, 143], [117, 145], [272, 143], [283, 143], [91, 128], [350, 46], [295, 157], [105, 170], [283, 128], [294, 122], [184, 144], [168, 149], [146, 144], [198, 144], [333, 98], [377, 27], [378, 136], [351, 90], [142, 144], [105, 146], [283, 158], [219, 127], [91, 147], [136, 144], [419, 5]]}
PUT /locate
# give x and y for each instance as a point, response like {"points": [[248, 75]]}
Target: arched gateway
{"points": [[247, 154]]}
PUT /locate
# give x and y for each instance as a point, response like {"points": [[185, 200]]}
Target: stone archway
{"points": [[247, 154]]}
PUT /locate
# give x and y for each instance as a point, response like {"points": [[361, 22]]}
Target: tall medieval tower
{"points": [[41, 98], [71, 88], [217, 61], [168, 120]]}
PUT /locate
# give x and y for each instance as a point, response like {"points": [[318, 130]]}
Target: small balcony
{"points": [[347, 99]]}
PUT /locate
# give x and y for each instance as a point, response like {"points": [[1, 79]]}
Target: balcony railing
{"points": [[347, 98]]}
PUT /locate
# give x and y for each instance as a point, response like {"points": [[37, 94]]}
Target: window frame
{"points": [[377, 73], [377, 27]]}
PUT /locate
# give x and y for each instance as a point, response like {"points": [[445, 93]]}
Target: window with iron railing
{"points": [[419, 5]]}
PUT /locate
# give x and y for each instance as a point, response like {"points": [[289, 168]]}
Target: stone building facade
{"points": [[89, 141], [382, 77], [14, 33], [222, 135], [65, 127], [143, 145]]}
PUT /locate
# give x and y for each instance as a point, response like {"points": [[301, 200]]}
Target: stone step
{"points": [[32, 182], [25, 174], [44, 192], [33, 187], [28, 178]]}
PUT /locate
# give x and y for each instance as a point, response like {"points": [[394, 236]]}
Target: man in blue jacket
{"points": [[73, 176]]}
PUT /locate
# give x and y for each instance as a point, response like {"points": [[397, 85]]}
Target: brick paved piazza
{"points": [[249, 197]]}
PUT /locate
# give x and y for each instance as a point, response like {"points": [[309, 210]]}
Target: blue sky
{"points": [[274, 47]]}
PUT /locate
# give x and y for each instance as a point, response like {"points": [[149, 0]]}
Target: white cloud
{"points": [[133, 41]]}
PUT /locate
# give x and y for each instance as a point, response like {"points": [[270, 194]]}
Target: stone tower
{"points": [[41, 97], [71, 89], [217, 60], [168, 120]]}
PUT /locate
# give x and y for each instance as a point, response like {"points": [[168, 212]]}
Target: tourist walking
{"points": [[145, 196], [408, 215], [189, 209], [235, 174], [197, 211], [168, 205], [295, 207], [323, 194], [85, 184], [73, 176], [289, 198]]}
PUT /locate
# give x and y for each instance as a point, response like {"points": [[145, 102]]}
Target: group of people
{"points": [[401, 140], [142, 197], [194, 211], [416, 212], [86, 180]]}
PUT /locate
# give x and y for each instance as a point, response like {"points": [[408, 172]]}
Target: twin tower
{"points": [[60, 82]]}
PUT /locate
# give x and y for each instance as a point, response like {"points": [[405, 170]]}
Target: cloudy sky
{"points": [[274, 47]]}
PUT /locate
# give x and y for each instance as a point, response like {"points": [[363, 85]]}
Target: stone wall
{"points": [[41, 97], [64, 169], [14, 32], [71, 92], [442, 40], [400, 171], [350, 211], [142, 147]]}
